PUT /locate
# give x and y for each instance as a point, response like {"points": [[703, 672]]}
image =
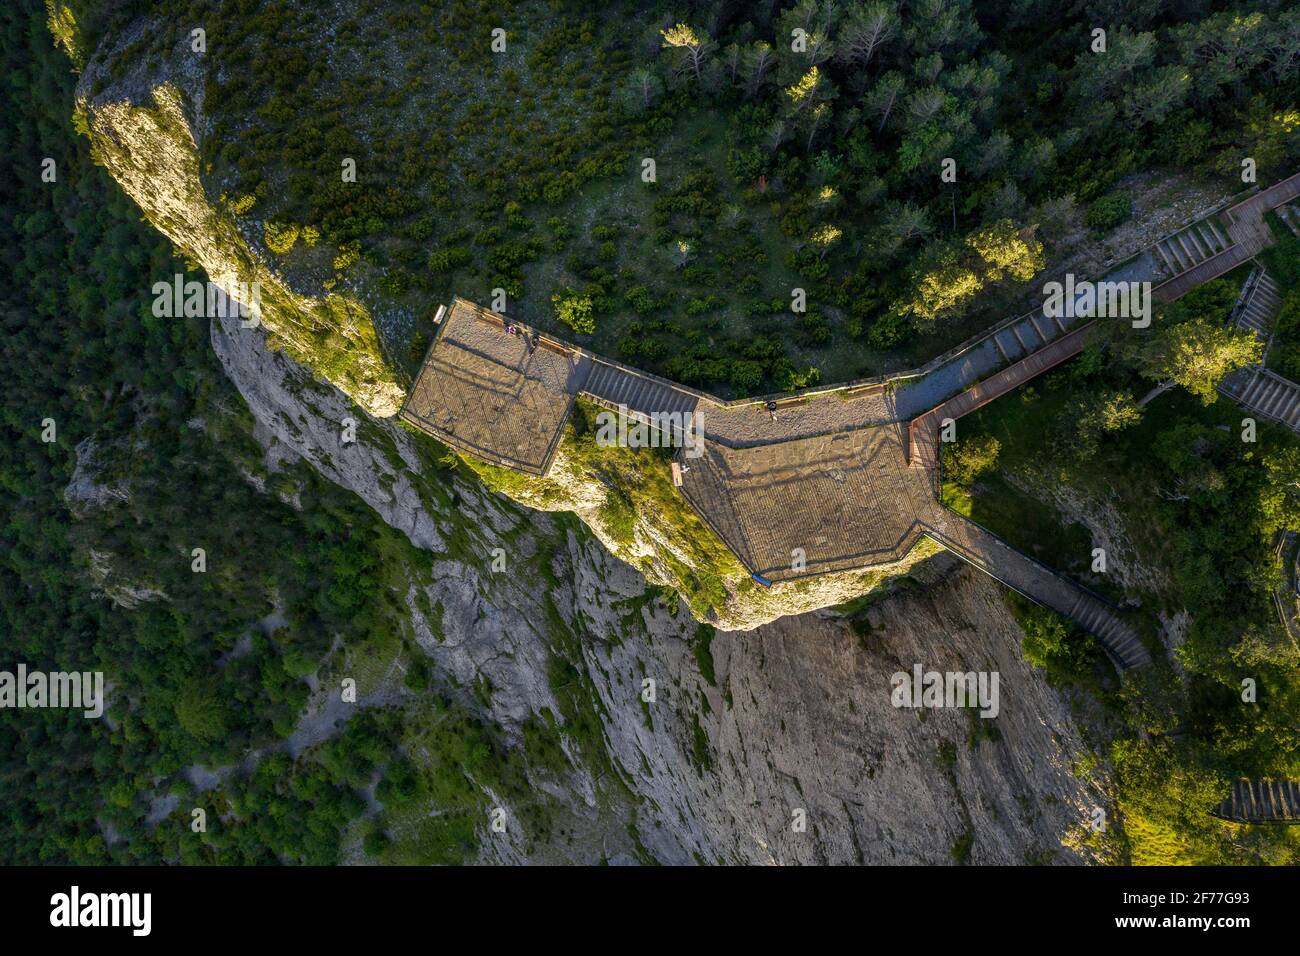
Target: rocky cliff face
{"points": [[796, 721], [776, 742]]}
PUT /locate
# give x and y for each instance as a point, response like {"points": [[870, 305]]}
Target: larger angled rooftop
{"points": [[812, 505]]}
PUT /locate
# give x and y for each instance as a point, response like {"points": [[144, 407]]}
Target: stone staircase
{"points": [[1247, 233], [644, 395], [1027, 335], [1262, 801], [1265, 393], [1117, 636], [1259, 306], [1193, 245], [1255, 388]]}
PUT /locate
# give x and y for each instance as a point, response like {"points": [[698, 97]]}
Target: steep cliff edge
{"points": [[145, 125]]}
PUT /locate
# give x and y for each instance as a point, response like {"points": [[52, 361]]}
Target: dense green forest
{"points": [[80, 346], [795, 145]]}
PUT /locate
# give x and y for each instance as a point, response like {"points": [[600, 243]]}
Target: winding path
{"points": [[986, 551]]}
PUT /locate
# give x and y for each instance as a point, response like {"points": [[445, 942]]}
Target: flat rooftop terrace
{"points": [[848, 500], [485, 391]]}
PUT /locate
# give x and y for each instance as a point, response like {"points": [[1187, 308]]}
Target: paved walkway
{"points": [[811, 505], [490, 394], [923, 431]]}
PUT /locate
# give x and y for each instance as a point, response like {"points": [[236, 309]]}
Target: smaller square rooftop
{"points": [[492, 393]]}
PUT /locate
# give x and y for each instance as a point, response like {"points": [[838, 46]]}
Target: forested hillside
{"points": [[1189, 513], [81, 346]]}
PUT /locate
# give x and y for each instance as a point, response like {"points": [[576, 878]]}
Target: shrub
{"points": [[515, 216], [421, 229], [654, 349], [280, 236], [792, 380], [1286, 360], [1282, 262], [445, 260], [814, 329], [700, 306], [418, 345], [745, 376], [1094, 414], [376, 841], [574, 310], [1051, 643], [965, 461], [510, 255], [559, 187], [1285, 357], [639, 298], [1108, 212], [349, 253], [394, 282]]}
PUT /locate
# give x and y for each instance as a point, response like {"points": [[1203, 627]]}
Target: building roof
{"points": [[848, 500], [482, 391]]}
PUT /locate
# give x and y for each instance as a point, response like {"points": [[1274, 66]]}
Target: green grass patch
{"points": [[1020, 519]]}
